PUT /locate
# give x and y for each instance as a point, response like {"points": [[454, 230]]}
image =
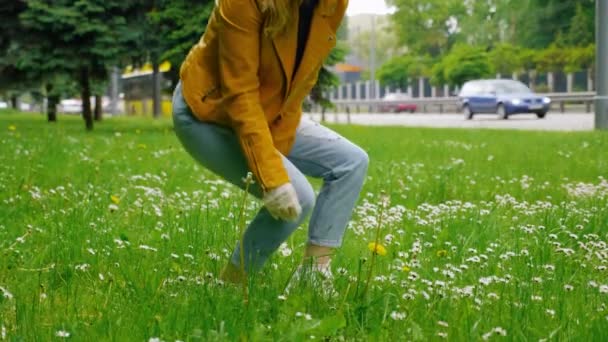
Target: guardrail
{"points": [[452, 104]]}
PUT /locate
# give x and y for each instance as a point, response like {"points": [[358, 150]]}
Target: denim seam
{"points": [[328, 169], [331, 243]]}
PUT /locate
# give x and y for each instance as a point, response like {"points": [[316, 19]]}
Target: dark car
{"points": [[397, 103], [502, 97]]}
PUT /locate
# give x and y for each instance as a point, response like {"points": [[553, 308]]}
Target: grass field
{"points": [[118, 235]]}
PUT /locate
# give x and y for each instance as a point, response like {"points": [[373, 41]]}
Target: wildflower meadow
{"points": [[459, 235]]}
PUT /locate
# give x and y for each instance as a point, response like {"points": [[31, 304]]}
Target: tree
{"points": [[394, 73], [527, 23], [77, 38], [419, 67], [543, 21], [511, 30], [582, 58], [167, 30], [342, 34], [37, 59], [386, 41], [481, 24], [327, 80], [429, 27], [528, 60], [505, 58], [438, 73], [177, 25], [582, 26], [464, 63], [551, 59], [12, 80]]}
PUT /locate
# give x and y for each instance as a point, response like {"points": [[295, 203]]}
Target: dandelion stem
{"points": [[359, 276], [384, 204]]}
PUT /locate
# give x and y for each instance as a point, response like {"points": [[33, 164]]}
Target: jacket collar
{"points": [[327, 8], [320, 42]]}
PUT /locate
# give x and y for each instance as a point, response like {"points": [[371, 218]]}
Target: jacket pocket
{"points": [[210, 101], [201, 91], [210, 95]]}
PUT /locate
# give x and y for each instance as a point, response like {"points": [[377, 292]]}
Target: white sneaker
{"points": [[318, 276]]}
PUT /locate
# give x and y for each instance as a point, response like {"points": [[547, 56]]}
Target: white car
{"points": [[74, 106], [25, 107], [70, 106]]}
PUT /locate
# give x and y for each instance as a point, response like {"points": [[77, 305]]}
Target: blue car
{"points": [[502, 97]]}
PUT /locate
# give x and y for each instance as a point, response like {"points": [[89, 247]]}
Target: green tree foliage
{"points": [[582, 26], [327, 80], [480, 24], [513, 31], [12, 80], [394, 73], [551, 59], [529, 23], [419, 66], [506, 58], [528, 60], [427, 27], [438, 73], [555, 17], [9, 23], [580, 58], [174, 27], [464, 63], [178, 29], [78, 41], [76, 38], [386, 41], [342, 33]]}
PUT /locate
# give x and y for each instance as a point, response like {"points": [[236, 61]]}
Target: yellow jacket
{"points": [[238, 77]]}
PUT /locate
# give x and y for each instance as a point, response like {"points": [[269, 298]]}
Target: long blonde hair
{"points": [[278, 14]]}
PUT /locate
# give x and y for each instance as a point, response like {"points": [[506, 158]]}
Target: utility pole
{"points": [[114, 79], [372, 58], [601, 33], [156, 91]]}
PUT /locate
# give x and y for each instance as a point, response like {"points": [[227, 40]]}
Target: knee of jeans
{"points": [[306, 196], [181, 117], [360, 161]]}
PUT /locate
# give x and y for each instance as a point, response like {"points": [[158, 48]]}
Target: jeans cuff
{"points": [[325, 243]]}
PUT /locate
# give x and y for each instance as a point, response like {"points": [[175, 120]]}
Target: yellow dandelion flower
{"points": [[12, 128], [442, 253], [142, 146], [115, 199], [377, 248], [406, 269]]}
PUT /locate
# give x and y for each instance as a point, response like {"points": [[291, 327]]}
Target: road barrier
{"points": [[559, 101]]}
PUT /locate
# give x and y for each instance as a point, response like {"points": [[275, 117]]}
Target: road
{"points": [[553, 122]]}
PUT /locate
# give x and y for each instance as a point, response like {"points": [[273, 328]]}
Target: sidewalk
{"points": [[552, 122]]}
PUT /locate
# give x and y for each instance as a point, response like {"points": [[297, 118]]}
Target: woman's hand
{"points": [[283, 203]]}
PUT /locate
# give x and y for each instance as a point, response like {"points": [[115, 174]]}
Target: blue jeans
{"points": [[317, 152]]}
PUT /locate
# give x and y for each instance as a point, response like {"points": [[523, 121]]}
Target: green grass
{"points": [[487, 232]]}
